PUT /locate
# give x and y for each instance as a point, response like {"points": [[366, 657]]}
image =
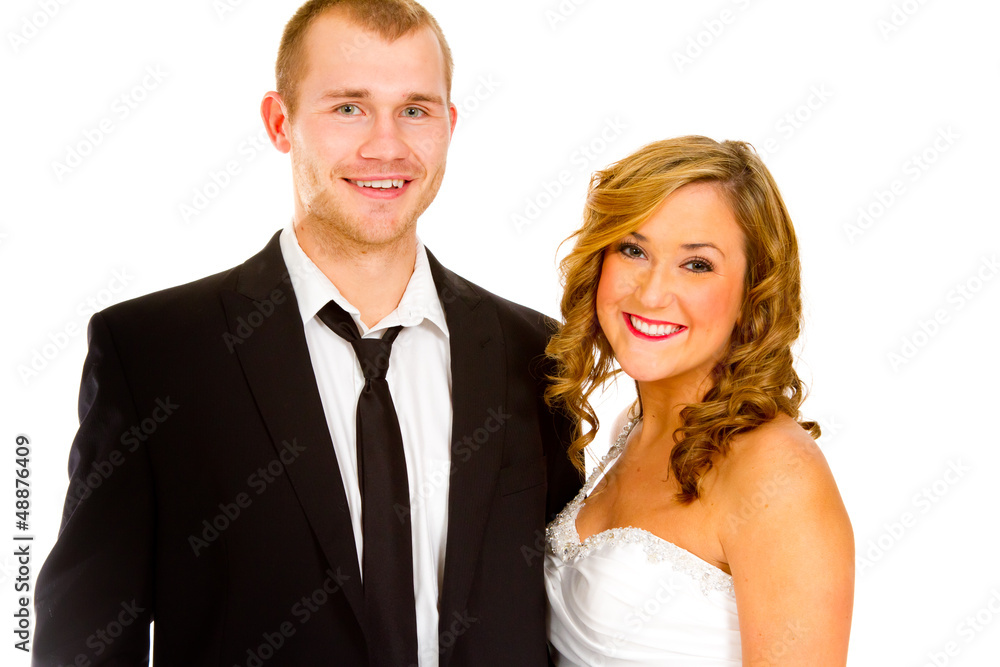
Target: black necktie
{"points": [[387, 561]]}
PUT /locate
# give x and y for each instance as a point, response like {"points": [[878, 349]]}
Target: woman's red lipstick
{"points": [[671, 328]]}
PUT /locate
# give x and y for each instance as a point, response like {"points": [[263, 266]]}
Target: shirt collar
{"points": [[313, 290]]}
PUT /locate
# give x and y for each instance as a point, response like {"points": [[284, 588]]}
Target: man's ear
{"points": [[275, 116], [453, 112]]}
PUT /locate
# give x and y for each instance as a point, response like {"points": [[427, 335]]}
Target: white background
{"points": [[838, 98]]}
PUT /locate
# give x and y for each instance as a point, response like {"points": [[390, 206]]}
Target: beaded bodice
{"points": [[626, 597], [564, 541]]}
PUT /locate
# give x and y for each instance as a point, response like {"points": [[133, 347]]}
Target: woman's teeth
{"points": [[654, 329]]}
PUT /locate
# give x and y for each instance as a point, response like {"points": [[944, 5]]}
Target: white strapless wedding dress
{"points": [[627, 597]]}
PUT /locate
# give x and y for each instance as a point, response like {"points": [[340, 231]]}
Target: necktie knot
{"points": [[373, 353]]}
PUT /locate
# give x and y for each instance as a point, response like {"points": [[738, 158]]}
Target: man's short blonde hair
{"points": [[389, 19]]}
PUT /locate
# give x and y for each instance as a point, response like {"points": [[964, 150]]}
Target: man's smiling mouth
{"points": [[384, 184]]}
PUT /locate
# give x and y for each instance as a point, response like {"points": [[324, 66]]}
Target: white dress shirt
{"points": [[419, 378]]}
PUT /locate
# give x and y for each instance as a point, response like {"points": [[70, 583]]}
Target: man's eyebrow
{"points": [[425, 97], [364, 94], [352, 93]]}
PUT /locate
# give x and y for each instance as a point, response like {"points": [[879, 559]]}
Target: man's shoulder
{"points": [[189, 302], [182, 296], [514, 316], [522, 317]]}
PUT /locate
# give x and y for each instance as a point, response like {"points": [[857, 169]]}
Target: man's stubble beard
{"points": [[334, 227]]}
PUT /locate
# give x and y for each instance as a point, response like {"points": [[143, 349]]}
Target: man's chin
{"points": [[375, 233]]}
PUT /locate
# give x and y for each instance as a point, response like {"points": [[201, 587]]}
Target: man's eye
{"points": [[413, 112], [348, 109]]}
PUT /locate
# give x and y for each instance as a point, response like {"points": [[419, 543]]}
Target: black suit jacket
{"points": [[205, 493]]}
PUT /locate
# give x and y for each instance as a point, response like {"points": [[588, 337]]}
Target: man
{"points": [[229, 480]]}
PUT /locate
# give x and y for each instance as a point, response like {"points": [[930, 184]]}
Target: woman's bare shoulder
{"points": [[777, 466]]}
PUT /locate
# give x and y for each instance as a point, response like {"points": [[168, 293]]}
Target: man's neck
{"points": [[372, 278]]}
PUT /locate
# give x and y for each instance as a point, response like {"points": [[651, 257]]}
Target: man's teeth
{"points": [[386, 184], [654, 329]]}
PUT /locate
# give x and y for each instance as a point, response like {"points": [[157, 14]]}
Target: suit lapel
{"points": [[479, 384], [269, 339]]}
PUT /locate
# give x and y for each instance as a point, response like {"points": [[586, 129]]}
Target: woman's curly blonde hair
{"points": [[756, 380]]}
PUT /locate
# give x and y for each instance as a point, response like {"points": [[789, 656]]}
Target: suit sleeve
{"points": [[94, 593], [564, 480]]}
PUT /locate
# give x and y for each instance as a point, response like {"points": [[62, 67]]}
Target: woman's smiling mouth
{"points": [[652, 329]]}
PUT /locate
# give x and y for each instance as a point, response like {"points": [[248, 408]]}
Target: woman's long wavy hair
{"points": [[755, 381]]}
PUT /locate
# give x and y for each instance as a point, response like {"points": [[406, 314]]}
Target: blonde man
{"points": [[268, 517]]}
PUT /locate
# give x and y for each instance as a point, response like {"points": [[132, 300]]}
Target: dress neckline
{"points": [[657, 548]]}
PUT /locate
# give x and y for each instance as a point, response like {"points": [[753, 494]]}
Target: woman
{"points": [[713, 532]]}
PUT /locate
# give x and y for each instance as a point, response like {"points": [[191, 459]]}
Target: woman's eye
{"points": [[698, 265], [630, 250]]}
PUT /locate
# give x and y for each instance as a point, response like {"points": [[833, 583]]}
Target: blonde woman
{"points": [[713, 532]]}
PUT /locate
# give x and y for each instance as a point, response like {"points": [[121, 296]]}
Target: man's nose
{"points": [[384, 140]]}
